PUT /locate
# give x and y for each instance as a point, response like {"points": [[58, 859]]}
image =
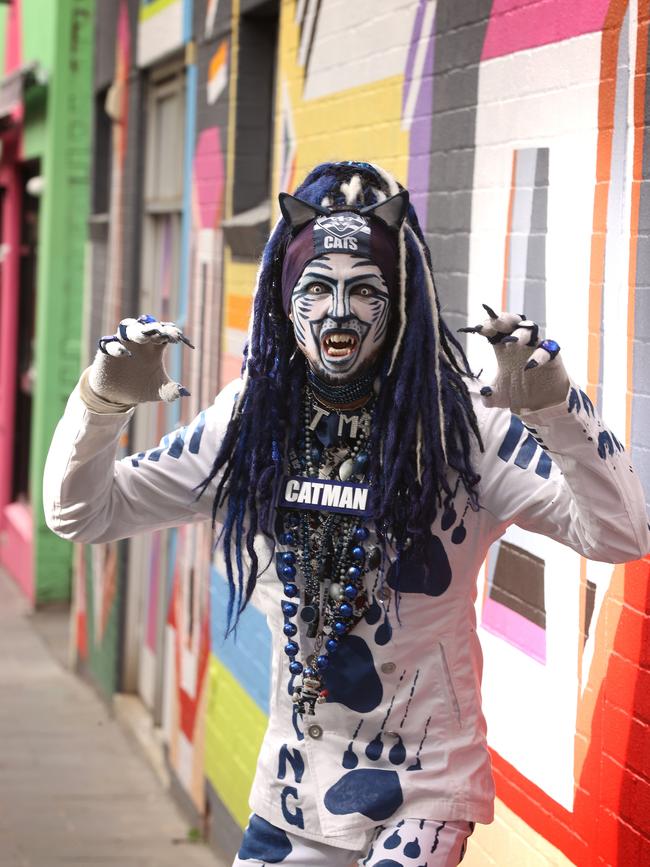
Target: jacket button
{"points": [[388, 667], [315, 731]]}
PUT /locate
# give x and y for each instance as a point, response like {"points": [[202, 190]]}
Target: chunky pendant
{"points": [[335, 591], [309, 613], [306, 695], [346, 469]]}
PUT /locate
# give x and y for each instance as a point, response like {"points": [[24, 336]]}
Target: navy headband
{"points": [[371, 232], [342, 232]]}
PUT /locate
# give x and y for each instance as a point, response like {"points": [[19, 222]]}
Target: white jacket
{"points": [[403, 735]]}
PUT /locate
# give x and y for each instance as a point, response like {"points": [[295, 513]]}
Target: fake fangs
{"points": [[339, 344]]}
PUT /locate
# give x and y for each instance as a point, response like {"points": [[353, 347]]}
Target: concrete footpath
{"points": [[73, 788]]}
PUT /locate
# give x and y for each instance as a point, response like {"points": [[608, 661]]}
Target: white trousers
{"points": [[409, 843]]}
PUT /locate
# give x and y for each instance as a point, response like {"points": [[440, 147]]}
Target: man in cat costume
{"points": [[357, 474]]}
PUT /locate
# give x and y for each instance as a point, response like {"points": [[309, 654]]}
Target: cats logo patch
{"points": [[343, 232]]}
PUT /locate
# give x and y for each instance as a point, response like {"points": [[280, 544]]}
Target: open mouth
{"points": [[339, 344]]}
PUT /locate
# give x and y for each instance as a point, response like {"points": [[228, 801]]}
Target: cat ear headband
{"points": [[370, 232]]}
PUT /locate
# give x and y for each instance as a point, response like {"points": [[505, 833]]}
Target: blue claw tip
{"points": [[184, 392], [532, 363], [486, 391]]}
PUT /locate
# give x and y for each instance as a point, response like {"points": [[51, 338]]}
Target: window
{"points": [[163, 195], [247, 230]]}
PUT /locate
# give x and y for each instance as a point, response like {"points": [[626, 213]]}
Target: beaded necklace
{"points": [[327, 551]]}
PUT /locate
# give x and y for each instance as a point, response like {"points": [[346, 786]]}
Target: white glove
{"points": [[531, 375], [128, 368]]}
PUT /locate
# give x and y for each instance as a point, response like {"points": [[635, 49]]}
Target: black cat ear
{"points": [[392, 211], [298, 213]]}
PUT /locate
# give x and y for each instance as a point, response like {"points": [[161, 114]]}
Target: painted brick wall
{"points": [[520, 128], [463, 92]]}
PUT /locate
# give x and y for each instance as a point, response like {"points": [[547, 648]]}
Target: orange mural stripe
{"points": [[506, 254], [219, 59], [639, 136], [582, 604], [238, 311], [606, 94]]}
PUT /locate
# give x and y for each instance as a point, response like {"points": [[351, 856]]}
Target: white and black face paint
{"points": [[340, 309]]}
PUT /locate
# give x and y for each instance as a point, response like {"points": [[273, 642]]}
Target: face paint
{"points": [[340, 310]]}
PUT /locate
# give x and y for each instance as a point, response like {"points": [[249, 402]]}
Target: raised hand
{"points": [[129, 367], [530, 373]]}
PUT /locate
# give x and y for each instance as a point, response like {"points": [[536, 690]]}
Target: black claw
{"points": [[496, 339], [523, 316], [186, 341], [509, 339], [531, 364], [471, 329], [486, 391], [490, 312], [534, 333], [184, 392]]}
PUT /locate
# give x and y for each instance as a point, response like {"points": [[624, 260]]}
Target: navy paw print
{"points": [[423, 568], [396, 750], [411, 849], [352, 679], [372, 615], [408, 840], [373, 792], [264, 842]]}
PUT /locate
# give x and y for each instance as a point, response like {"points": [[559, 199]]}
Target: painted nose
{"points": [[337, 307], [339, 321]]}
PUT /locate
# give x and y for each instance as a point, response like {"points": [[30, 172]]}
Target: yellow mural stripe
{"points": [[235, 727], [358, 123], [151, 9]]}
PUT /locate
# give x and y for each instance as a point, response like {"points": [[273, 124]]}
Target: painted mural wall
{"points": [[519, 127]]}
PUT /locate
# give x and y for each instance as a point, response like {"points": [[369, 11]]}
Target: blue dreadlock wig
{"points": [[423, 420]]}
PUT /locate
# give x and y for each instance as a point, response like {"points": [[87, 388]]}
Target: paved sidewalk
{"points": [[73, 789]]}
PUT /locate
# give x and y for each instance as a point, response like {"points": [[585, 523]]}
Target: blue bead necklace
{"points": [[326, 551]]}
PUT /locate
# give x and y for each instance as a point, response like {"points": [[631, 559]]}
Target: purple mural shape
{"points": [[417, 105]]}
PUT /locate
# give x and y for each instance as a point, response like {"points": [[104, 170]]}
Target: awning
{"points": [[13, 87], [247, 233]]}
